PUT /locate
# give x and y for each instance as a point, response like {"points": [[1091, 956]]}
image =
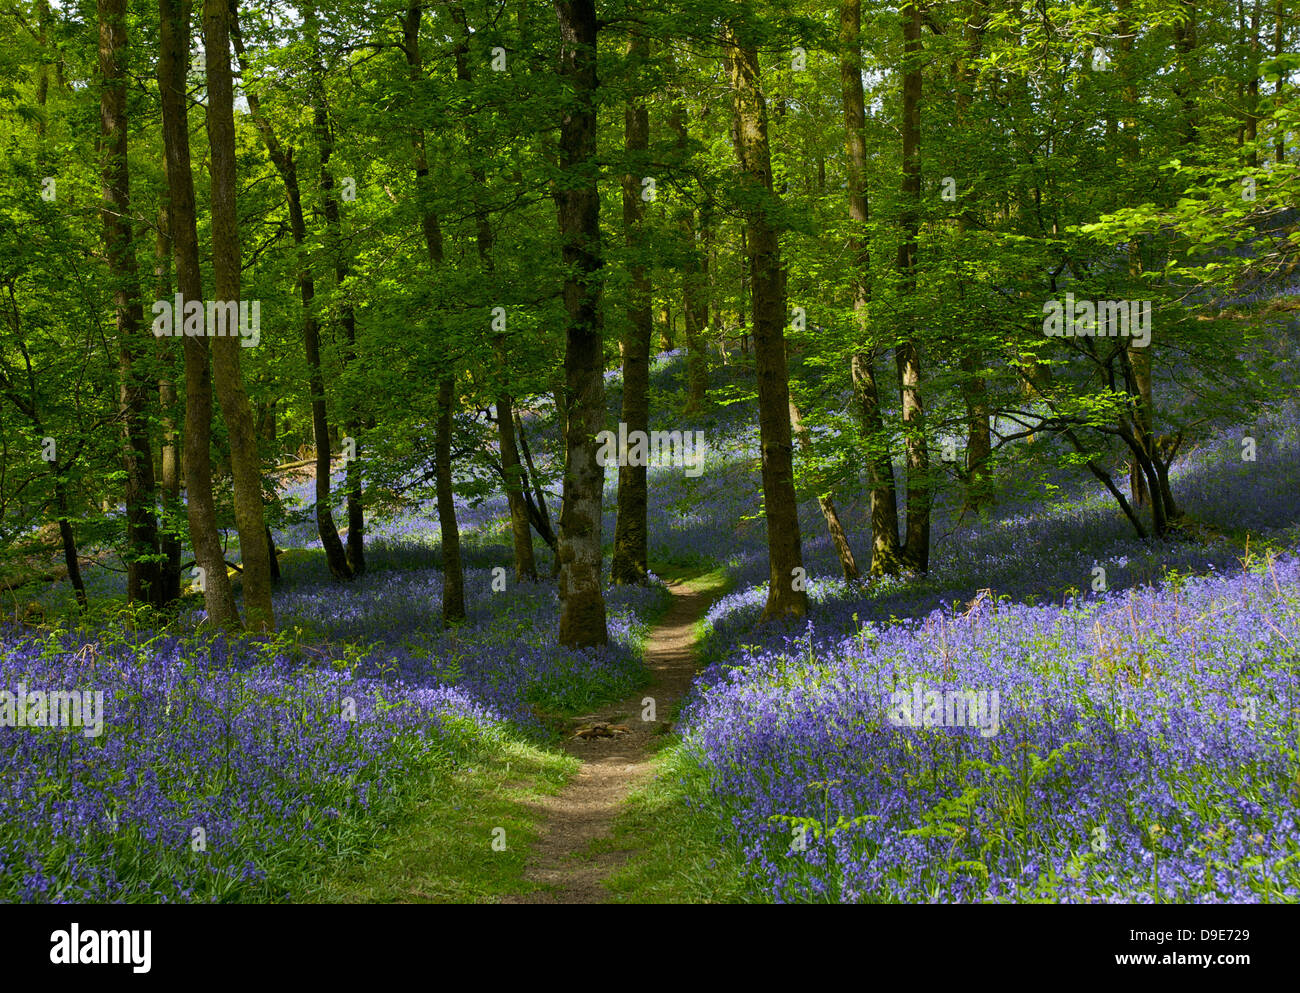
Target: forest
{"points": [[727, 451]]}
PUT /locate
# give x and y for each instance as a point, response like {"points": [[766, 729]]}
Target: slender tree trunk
{"points": [[1241, 78], [1252, 88], [1185, 88], [974, 389], [453, 579], [1032, 389], [271, 554], [843, 549], [356, 507], [453, 589], [170, 454], [1141, 456], [1115, 491], [515, 481], [880, 464], [885, 551], [542, 518], [30, 409], [245, 463], [335, 555], [1139, 362], [453, 570], [144, 575], [916, 544], [69, 542], [1279, 35], [1166, 450], [979, 448], [356, 547], [511, 469], [200, 507], [1139, 358], [582, 616], [43, 16], [266, 426], [283, 160], [355, 554], [631, 540], [742, 313], [695, 284], [786, 593], [695, 305]]}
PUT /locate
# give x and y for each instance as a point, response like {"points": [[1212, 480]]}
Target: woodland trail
{"points": [[562, 860]]}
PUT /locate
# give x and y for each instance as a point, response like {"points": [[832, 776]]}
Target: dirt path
{"points": [[585, 809]]}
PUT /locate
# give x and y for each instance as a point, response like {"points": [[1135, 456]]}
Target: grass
{"points": [[441, 849], [672, 826]]}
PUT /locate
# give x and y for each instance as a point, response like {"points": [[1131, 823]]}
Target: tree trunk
{"points": [[1141, 456], [1252, 88], [356, 508], [582, 615], [880, 464], [1279, 34], [916, 544], [356, 547], [30, 409], [144, 575], [786, 593], [885, 552], [1138, 359], [843, 549], [169, 541], [695, 285], [631, 540], [695, 305], [245, 463], [453, 571], [200, 507], [1186, 87], [271, 554], [1166, 450], [283, 160], [511, 470], [453, 578], [974, 389], [979, 448], [355, 555], [516, 482], [541, 514], [69, 542], [43, 16], [335, 555], [1109, 483]]}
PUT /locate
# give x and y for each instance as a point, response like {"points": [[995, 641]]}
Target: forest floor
{"points": [[575, 855]]}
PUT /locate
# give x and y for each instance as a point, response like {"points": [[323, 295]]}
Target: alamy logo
{"points": [[213, 319], [1104, 319], [920, 707], [93, 947], [658, 448], [58, 708]]}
